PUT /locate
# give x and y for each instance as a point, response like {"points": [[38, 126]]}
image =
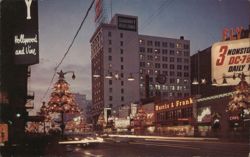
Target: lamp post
{"points": [[43, 112]]}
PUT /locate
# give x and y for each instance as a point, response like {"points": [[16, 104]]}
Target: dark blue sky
{"points": [[200, 21]]}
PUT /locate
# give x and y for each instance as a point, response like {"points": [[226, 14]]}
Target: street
{"points": [[159, 148]]}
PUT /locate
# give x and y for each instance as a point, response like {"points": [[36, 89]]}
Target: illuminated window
{"points": [[177, 80], [185, 81], [141, 41], [141, 85], [178, 45], [141, 56]]}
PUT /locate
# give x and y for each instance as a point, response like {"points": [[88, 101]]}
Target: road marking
{"points": [[165, 145]]}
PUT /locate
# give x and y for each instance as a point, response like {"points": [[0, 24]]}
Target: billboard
{"points": [[20, 27], [127, 23], [229, 58]]}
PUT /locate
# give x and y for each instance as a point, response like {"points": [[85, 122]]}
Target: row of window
{"points": [[165, 87], [110, 50], [111, 98], [111, 82], [165, 94], [165, 66], [163, 44], [110, 34], [163, 58], [163, 51], [167, 73], [175, 114], [157, 43]]}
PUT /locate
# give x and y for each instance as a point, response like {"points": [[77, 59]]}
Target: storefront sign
{"points": [[229, 58], [234, 118], [122, 123], [174, 105], [127, 23]]}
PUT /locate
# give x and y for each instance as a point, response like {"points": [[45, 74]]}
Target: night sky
{"points": [[200, 21]]}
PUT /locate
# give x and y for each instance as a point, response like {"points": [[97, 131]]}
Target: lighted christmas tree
{"points": [[62, 100], [240, 102]]}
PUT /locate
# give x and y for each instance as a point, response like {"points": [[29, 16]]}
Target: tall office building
{"points": [[164, 67], [119, 51], [114, 52]]}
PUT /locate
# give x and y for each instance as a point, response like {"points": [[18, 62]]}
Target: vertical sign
{"points": [[20, 18], [98, 9]]}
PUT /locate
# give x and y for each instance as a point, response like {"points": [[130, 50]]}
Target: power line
{"points": [[71, 44]]}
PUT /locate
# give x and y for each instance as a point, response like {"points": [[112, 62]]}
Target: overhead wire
{"points": [[68, 50]]}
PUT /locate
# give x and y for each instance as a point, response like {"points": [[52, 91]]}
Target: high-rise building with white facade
{"points": [[119, 51], [114, 51]]}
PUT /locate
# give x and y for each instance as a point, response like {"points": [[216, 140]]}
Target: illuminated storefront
{"points": [[175, 118]]}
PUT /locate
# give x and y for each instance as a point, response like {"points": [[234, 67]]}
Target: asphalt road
{"points": [[160, 148], [123, 147]]}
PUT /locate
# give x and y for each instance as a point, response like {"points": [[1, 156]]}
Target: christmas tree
{"points": [[240, 102], [62, 100]]}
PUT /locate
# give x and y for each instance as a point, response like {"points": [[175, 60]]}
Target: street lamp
{"points": [[43, 112]]}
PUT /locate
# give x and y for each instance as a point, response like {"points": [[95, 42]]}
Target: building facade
{"points": [[158, 66], [114, 54], [165, 61]]}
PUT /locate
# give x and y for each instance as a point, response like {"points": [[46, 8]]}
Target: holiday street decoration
{"points": [[61, 100], [240, 99], [239, 106]]}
